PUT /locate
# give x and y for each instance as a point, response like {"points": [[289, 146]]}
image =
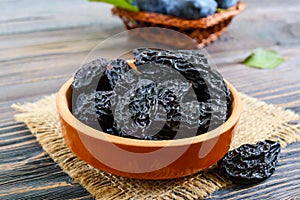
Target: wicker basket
{"points": [[204, 30]]}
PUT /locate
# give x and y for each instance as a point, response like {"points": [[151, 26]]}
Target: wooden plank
{"points": [[31, 16], [27, 172]]}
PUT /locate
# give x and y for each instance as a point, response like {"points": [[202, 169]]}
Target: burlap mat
{"points": [[259, 121]]}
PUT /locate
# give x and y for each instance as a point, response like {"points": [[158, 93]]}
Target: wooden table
{"points": [[43, 42]]}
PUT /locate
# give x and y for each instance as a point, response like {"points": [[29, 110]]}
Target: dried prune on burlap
{"points": [[250, 163]]}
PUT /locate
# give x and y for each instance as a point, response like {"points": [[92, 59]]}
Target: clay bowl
{"points": [[145, 159]]}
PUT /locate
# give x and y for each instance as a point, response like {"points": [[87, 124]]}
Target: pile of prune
{"points": [[250, 163], [171, 95], [99, 75], [92, 92], [150, 104], [208, 84]]}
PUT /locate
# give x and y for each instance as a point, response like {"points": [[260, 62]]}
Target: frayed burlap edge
{"points": [[259, 121]]}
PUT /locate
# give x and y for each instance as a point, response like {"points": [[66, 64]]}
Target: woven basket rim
{"points": [[167, 20]]}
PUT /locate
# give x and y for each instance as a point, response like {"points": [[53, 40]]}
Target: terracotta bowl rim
{"points": [[65, 113]]}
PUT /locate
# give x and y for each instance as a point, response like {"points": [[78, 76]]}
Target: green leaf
{"points": [[264, 59], [220, 10], [223, 10], [119, 3]]}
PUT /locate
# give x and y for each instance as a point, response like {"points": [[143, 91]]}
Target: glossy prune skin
{"points": [[84, 109], [94, 109], [99, 75], [250, 163], [115, 70], [92, 90], [193, 66], [173, 95], [148, 103], [212, 93], [88, 75]]}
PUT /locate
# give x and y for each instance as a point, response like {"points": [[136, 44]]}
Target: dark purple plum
{"points": [[191, 9], [226, 3]]}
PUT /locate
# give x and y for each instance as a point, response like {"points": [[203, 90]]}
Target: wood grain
{"points": [[42, 43], [27, 171]]}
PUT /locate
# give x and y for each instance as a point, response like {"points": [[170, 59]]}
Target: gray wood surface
{"points": [[42, 43]]}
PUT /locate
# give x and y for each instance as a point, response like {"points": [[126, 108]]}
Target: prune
{"points": [[193, 66], [92, 90], [100, 75], [88, 75], [115, 70], [84, 109], [250, 163], [226, 3], [191, 9], [148, 106], [174, 94], [155, 6], [94, 109], [207, 83]]}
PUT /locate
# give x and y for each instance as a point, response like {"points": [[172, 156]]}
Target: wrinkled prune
{"points": [[148, 104], [88, 75], [208, 84], [99, 75], [94, 109], [172, 95], [250, 163], [115, 70], [193, 66], [84, 109]]}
